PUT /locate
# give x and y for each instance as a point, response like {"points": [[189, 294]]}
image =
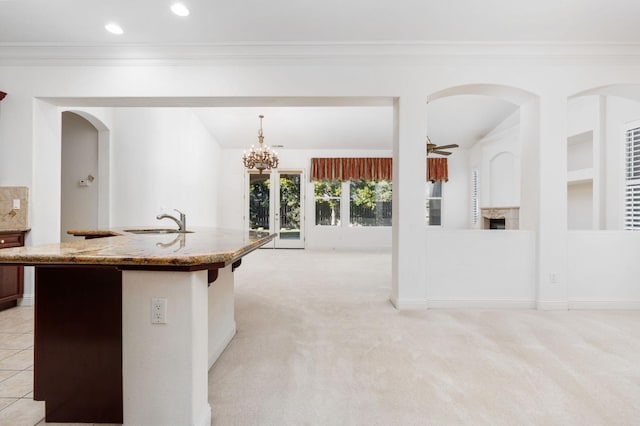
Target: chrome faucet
{"points": [[182, 222]]}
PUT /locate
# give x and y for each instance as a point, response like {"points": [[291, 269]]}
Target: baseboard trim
{"points": [[552, 305], [27, 300], [205, 417], [605, 304], [542, 305], [409, 304], [481, 304], [419, 304]]}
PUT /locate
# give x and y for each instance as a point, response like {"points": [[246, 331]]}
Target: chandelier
{"points": [[261, 158]]}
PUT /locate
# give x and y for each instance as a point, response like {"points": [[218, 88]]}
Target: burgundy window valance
{"points": [[437, 169], [343, 169]]}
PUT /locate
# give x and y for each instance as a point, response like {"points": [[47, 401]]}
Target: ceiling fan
{"points": [[432, 148]]}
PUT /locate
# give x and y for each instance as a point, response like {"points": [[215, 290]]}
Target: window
{"points": [[370, 203], [364, 202], [632, 202], [327, 195], [434, 203]]}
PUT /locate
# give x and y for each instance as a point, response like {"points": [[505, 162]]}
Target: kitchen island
{"points": [[128, 322]]}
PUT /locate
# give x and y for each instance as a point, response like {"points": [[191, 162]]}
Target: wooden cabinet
{"points": [[11, 277]]}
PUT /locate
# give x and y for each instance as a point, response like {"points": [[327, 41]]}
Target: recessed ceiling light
{"points": [[114, 28], [180, 9]]}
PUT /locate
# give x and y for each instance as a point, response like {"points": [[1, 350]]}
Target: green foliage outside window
{"points": [[290, 201], [327, 195], [370, 203]]}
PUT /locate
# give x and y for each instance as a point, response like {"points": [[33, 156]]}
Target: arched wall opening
{"points": [[486, 120], [600, 123], [497, 162]]}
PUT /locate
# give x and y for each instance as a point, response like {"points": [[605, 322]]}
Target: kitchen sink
{"points": [[157, 231]]}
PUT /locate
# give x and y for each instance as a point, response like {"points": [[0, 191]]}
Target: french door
{"points": [[274, 203]]}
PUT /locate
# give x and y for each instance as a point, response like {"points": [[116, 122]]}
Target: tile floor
{"points": [[17, 407]]}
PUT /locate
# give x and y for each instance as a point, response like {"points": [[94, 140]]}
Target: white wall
{"points": [[79, 204], [583, 114], [580, 151], [456, 193], [580, 205], [497, 156], [164, 159], [503, 182], [603, 269], [480, 268]]}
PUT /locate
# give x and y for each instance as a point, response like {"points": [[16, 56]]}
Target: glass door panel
{"points": [[274, 204], [259, 202], [289, 213]]}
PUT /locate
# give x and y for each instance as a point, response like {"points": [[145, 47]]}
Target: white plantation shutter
{"points": [[632, 205], [475, 207], [632, 209]]}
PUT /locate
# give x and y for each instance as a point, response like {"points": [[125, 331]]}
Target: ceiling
{"points": [[322, 122], [233, 21], [368, 127], [456, 119]]}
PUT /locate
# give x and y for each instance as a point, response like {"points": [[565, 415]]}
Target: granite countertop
{"points": [[17, 229], [203, 248]]}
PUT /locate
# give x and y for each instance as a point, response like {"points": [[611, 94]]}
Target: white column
{"points": [[530, 165], [409, 251], [164, 366], [552, 222]]}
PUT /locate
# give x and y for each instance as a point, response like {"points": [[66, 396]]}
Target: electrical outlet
{"points": [[158, 310], [553, 278], [16, 204]]}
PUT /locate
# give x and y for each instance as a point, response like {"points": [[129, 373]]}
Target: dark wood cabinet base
{"points": [[78, 343], [7, 305], [11, 277]]}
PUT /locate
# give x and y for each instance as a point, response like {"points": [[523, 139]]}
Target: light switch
{"points": [[16, 203]]}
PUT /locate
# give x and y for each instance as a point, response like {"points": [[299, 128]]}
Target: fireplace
{"points": [[497, 223], [500, 217]]}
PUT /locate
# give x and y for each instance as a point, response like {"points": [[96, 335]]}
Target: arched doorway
{"points": [[80, 194]]}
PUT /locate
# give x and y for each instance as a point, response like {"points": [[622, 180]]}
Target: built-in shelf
{"points": [[582, 164], [580, 176]]}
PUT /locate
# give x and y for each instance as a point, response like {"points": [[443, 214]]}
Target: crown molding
{"points": [[53, 53]]}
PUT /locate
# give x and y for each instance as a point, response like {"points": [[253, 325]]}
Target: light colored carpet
{"points": [[318, 343]]}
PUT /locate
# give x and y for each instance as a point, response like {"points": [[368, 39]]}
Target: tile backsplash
{"points": [[11, 218]]}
